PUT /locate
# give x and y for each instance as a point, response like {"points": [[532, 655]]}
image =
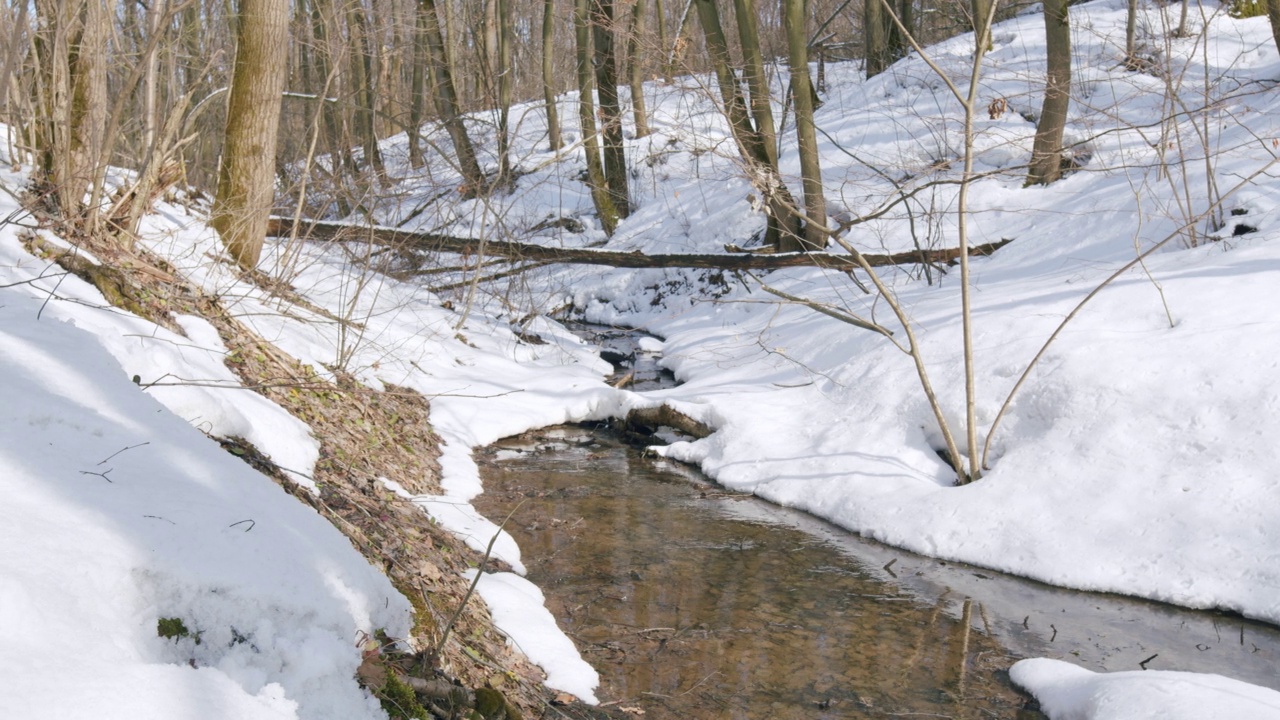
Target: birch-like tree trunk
{"points": [[247, 175]]}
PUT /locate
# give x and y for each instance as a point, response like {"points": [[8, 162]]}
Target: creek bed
{"points": [[696, 603]]}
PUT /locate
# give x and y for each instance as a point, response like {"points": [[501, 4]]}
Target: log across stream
{"points": [[696, 603]]}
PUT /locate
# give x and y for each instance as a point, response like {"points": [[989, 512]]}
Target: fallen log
{"points": [[434, 242]]}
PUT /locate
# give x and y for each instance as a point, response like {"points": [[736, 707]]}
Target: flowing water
{"points": [[697, 603]]}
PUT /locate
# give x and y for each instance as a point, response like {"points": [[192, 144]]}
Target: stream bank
{"points": [[693, 601]]}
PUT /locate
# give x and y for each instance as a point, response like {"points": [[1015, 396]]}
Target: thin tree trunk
{"points": [[606, 59], [635, 68], [506, 74], [660, 17], [600, 196], [815, 203], [363, 73], [783, 229], [548, 74], [875, 37], [757, 81], [1046, 152], [446, 98], [417, 89], [681, 45], [981, 10], [245, 181]]}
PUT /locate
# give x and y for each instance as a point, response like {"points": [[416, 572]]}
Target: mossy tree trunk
{"points": [[246, 177], [606, 65]]}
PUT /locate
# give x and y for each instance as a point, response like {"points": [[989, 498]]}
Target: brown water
{"points": [[695, 603]]}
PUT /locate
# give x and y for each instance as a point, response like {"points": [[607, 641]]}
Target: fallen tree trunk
{"points": [[433, 242]]}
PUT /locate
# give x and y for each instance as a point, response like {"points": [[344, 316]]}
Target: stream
{"points": [[698, 603]]}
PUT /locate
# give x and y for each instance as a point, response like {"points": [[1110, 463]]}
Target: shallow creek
{"points": [[697, 603]]}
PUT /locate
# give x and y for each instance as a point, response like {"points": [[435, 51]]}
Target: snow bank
{"points": [[1067, 692], [118, 514]]}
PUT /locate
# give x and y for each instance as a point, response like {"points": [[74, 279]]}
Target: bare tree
{"points": [[606, 64], [1046, 153], [635, 67], [244, 197], [446, 98], [70, 128], [548, 74], [815, 203], [600, 195]]}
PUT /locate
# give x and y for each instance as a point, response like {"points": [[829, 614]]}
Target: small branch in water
{"points": [[1143, 664]]}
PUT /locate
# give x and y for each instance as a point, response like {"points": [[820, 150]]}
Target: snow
{"points": [[119, 512], [1138, 457], [517, 607], [1067, 692]]}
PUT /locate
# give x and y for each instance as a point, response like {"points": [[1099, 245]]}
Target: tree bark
{"points": [[1046, 152], [606, 59], [1273, 15], [246, 179], [446, 98], [600, 196], [757, 81], [363, 74], [72, 44], [815, 203], [548, 74], [505, 79], [433, 242], [417, 89], [635, 68], [783, 229]]}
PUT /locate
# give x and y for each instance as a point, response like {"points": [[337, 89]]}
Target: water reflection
{"points": [[688, 604]]}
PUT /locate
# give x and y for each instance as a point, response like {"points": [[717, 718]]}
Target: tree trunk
{"points": [[681, 45], [417, 89], [875, 36], [72, 45], [815, 203], [1046, 152], [757, 81], [1131, 34], [548, 74], [635, 68], [981, 9], [660, 17], [505, 78], [783, 229], [446, 98], [600, 196], [246, 178], [606, 58], [363, 74], [1273, 14]]}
